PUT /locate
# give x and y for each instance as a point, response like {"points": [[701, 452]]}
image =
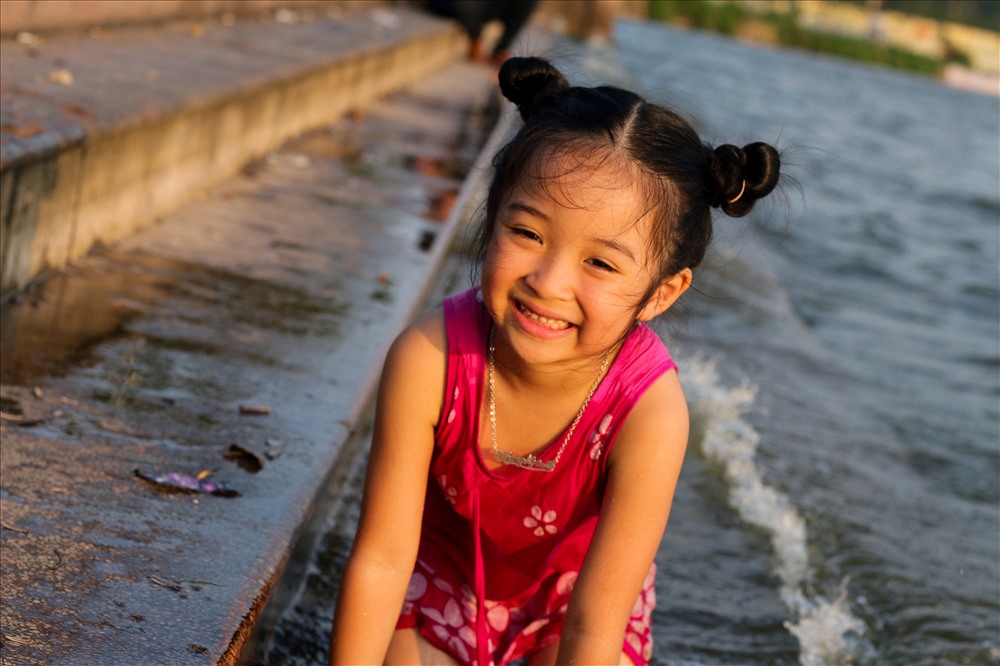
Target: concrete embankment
{"points": [[237, 339], [103, 134]]}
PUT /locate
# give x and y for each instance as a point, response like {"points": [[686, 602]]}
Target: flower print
{"points": [[459, 648], [417, 587], [497, 615], [640, 603], [450, 492], [534, 626], [452, 642], [634, 642], [469, 605], [444, 586], [565, 583], [605, 425], [452, 616], [595, 451], [452, 414], [650, 576], [467, 634], [541, 522], [597, 439]]}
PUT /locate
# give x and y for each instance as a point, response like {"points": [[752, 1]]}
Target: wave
{"points": [[826, 629]]}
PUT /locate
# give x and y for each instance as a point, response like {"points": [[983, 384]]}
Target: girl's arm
{"points": [[643, 468], [385, 547]]}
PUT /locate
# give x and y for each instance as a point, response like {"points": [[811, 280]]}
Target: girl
{"points": [[529, 433]]}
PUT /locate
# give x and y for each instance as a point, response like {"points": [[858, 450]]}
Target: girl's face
{"points": [[569, 262]]}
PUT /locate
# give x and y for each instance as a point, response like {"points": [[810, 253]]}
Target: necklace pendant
{"points": [[529, 462]]}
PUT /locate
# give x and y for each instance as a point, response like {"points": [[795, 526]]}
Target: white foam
{"points": [[825, 629]]}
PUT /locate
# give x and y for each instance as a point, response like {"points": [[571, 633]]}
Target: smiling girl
{"points": [[530, 432]]}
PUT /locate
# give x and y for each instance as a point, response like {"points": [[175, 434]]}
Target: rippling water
{"points": [[841, 501]]}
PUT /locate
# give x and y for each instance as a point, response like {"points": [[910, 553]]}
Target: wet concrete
{"points": [[280, 288], [101, 133]]}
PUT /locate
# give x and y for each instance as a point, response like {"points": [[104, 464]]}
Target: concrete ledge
{"points": [[103, 135], [282, 287], [53, 15]]}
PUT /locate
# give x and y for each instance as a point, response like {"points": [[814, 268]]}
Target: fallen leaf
{"points": [[172, 481]]}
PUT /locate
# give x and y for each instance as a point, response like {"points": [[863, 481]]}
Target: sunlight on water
{"points": [[827, 631]]}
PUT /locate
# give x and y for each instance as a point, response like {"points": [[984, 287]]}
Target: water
{"points": [[841, 499]]}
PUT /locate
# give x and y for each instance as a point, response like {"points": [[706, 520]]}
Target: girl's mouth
{"points": [[552, 324]]}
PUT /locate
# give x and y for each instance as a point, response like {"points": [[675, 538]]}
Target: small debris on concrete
{"points": [[162, 583], [28, 39], [17, 640], [288, 159], [244, 457], [426, 240], [116, 426], [13, 529], [174, 482], [63, 77], [255, 410], [18, 404], [274, 449]]}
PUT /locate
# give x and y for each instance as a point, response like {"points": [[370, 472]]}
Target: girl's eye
{"points": [[525, 233], [604, 266]]}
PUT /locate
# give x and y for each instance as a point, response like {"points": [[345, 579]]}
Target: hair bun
{"points": [[530, 83], [744, 175]]}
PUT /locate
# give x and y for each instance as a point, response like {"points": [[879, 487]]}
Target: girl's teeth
{"points": [[556, 324]]}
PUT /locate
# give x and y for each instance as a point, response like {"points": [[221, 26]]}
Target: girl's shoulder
{"points": [[422, 343], [415, 366], [657, 422], [642, 361], [658, 425], [457, 325]]}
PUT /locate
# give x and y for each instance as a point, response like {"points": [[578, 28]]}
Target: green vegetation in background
{"points": [[727, 17], [983, 14]]}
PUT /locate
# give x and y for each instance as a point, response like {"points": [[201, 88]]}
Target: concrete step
{"points": [[255, 315], [104, 133]]}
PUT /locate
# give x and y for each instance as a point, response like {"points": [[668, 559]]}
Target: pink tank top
{"points": [[516, 538]]}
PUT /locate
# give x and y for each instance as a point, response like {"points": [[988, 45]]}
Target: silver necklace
{"points": [[530, 462]]}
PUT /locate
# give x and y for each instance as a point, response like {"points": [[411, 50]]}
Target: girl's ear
{"points": [[666, 294]]}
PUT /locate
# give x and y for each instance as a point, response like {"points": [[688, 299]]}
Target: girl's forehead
{"points": [[585, 179]]}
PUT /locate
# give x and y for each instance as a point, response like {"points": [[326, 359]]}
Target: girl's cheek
{"points": [[496, 260]]}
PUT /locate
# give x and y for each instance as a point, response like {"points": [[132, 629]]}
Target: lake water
{"points": [[841, 499]]}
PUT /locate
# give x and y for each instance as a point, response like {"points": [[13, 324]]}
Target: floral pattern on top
{"points": [[450, 492], [541, 522], [597, 438]]}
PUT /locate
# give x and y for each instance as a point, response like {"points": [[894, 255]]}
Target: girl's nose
{"points": [[550, 277]]}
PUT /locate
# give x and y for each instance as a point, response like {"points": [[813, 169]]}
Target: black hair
{"points": [[683, 177]]}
